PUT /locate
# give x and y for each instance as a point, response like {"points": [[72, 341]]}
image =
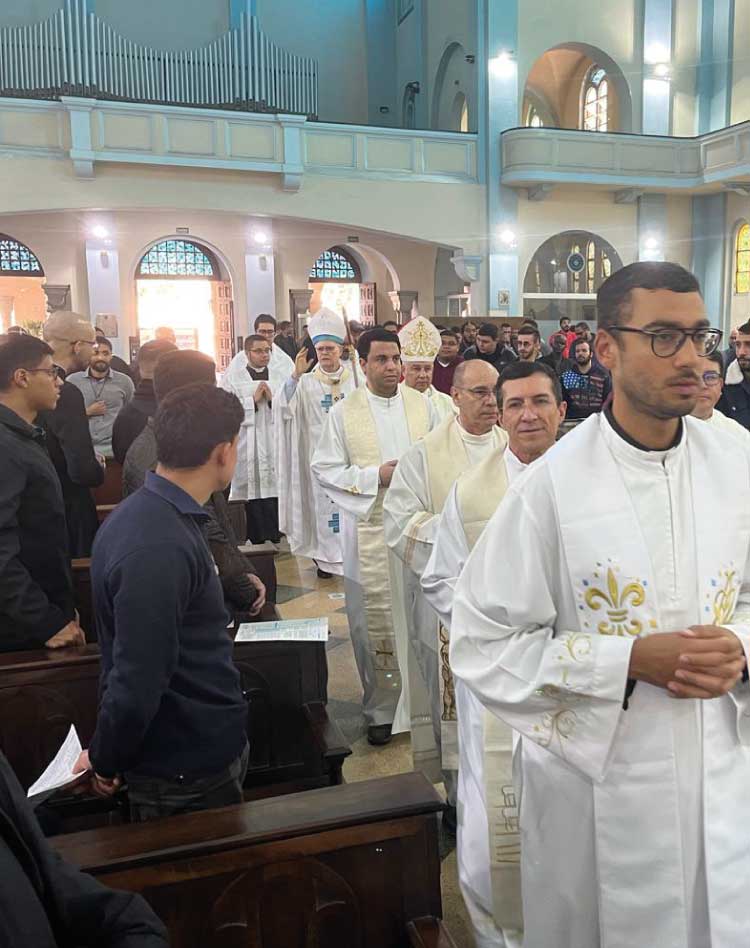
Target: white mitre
{"points": [[420, 341], [325, 325]]}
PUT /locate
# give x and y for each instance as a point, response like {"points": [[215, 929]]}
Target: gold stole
{"points": [[447, 460], [480, 491], [364, 451]]}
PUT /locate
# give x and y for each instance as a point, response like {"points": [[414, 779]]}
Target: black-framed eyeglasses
{"points": [[711, 378], [51, 372], [668, 342]]}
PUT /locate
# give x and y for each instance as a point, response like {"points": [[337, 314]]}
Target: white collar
{"points": [[472, 438], [640, 457], [380, 400]]}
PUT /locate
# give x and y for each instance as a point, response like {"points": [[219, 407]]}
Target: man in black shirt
{"points": [[171, 714], [132, 419], [735, 399], [68, 434], [47, 903], [585, 387], [36, 589], [489, 349]]}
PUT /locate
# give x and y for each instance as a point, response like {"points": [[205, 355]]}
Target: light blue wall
{"points": [[380, 26], [710, 248], [715, 66], [166, 24], [410, 64], [20, 12]]}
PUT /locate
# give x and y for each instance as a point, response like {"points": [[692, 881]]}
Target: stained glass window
{"points": [[596, 101], [335, 266], [17, 259], [178, 258], [742, 272], [590, 266], [576, 276]]}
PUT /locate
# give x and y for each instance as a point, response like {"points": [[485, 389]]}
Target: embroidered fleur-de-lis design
{"points": [[618, 603], [725, 599]]}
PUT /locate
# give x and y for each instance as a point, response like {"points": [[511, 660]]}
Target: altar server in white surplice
{"points": [[488, 844], [280, 363], [256, 384], [411, 511], [307, 516], [363, 438], [604, 614]]}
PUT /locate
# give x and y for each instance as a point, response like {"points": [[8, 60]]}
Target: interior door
{"points": [[223, 307], [368, 304]]}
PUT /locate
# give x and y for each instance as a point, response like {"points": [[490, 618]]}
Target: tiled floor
{"points": [[302, 595]]}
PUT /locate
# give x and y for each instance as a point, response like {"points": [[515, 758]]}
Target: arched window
{"points": [[596, 101], [17, 260], [533, 118], [335, 266], [179, 258], [549, 274], [742, 260]]}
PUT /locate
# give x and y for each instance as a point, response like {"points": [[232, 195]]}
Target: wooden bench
{"points": [[294, 744], [355, 866]]}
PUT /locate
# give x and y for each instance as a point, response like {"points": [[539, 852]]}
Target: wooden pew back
{"points": [[343, 867]]}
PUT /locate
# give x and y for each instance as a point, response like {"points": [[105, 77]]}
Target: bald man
{"points": [[72, 339], [412, 509]]}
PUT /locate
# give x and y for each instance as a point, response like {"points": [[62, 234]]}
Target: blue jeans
{"points": [[152, 798]]}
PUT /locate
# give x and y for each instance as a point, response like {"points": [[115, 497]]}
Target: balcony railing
{"points": [[74, 52]]}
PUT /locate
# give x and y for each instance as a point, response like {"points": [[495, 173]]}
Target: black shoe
{"points": [[378, 734], [323, 575], [450, 819]]}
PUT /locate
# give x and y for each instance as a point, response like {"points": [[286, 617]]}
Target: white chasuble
{"points": [[633, 821], [361, 433], [255, 474], [307, 516], [412, 507], [488, 840], [442, 403]]}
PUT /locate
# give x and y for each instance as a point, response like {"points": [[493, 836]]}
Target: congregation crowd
{"points": [[500, 622]]}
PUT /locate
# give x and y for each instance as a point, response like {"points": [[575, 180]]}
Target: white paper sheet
{"points": [[60, 771], [284, 630]]}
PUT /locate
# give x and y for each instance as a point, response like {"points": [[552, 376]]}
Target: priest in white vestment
{"points": [[280, 363], [411, 511], [711, 388], [363, 438], [256, 384], [614, 640], [307, 516], [418, 371], [488, 850]]}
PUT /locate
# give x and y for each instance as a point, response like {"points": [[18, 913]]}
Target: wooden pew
{"points": [[343, 867], [109, 492], [294, 744]]}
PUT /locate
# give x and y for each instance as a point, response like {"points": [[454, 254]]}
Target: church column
{"points": [[715, 64], [103, 277], [469, 269], [260, 279], [657, 61], [500, 111], [403, 301], [710, 245], [652, 226]]}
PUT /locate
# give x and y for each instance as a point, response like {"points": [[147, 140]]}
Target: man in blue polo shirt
{"points": [[171, 713]]}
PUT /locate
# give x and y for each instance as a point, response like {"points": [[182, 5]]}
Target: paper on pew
{"points": [[284, 630], [60, 771]]}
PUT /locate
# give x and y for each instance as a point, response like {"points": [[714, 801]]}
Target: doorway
{"points": [[336, 283], [180, 284], [23, 301]]}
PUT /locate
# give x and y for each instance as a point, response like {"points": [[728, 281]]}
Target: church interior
{"points": [[176, 170]]}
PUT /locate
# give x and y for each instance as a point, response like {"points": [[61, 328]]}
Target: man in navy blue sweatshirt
{"points": [[171, 712]]}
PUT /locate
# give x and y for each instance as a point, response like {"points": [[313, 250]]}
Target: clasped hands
{"points": [[703, 661], [262, 391]]}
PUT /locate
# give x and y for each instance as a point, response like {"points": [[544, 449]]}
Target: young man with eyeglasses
{"points": [[616, 644], [712, 384], [411, 511], [36, 588]]}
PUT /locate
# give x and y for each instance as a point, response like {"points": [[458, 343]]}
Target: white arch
{"points": [[361, 252]]}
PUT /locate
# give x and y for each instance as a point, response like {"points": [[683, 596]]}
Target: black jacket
{"points": [[36, 588], [47, 903], [132, 419], [735, 402], [69, 445]]}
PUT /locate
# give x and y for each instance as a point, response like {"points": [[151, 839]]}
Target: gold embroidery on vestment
{"points": [[619, 620]]}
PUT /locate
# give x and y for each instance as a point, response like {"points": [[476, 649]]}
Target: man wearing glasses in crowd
{"points": [[709, 396], [36, 588], [616, 644]]}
